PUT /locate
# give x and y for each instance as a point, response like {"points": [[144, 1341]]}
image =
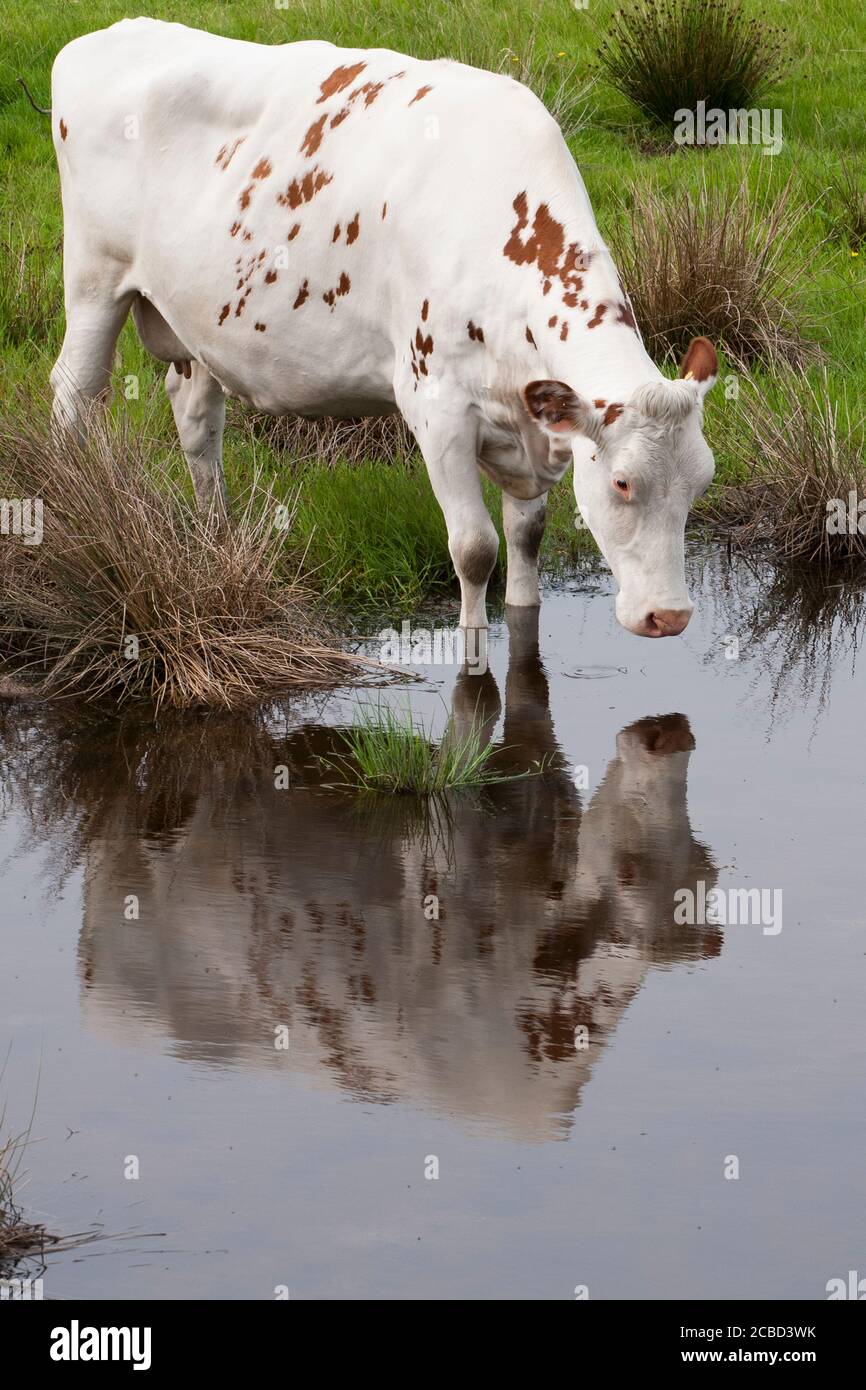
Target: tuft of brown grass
{"points": [[797, 451], [329, 440], [134, 595], [720, 265], [667, 55]]}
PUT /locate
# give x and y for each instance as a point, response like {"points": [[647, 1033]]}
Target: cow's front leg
{"points": [[523, 523], [199, 409], [449, 445]]}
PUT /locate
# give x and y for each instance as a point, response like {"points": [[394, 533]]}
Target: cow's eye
{"points": [[622, 486]]}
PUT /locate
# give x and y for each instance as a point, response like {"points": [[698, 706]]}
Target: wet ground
{"points": [[335, 1045]]}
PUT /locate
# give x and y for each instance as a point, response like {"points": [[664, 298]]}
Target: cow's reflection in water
{"points": [[262, 908]]}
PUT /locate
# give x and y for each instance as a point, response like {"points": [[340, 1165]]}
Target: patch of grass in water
{"points": [[386, 751]]}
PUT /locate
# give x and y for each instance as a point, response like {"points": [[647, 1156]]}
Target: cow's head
{"points": [[638, 467]]}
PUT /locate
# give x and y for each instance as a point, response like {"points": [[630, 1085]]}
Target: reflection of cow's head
{"points": [[636, 846], [638, 467]]}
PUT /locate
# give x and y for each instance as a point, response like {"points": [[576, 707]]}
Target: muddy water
{"points": [[582, 1067]]}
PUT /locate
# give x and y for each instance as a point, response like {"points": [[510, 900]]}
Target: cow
{"points": [[317, 230]]}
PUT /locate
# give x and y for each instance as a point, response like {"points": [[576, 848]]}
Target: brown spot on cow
{"points": [[303, 295], [613, 413], [234, 228], [261, 327], [262, 169], [600, 404], [353, 229], [597, 317], [228, 152], [420, 94], [224, 313], [563, 332], [369, 92], [425, 309], [344, 284], [336, 235], [338, 81], [551, 322], [270, 277], [420, 350], [544, 245], [384, 211], [530, 339], [340, 116], [242, 304], [330, 298], [625, 316], [584, 304], [313, 138], [475, 333], [248, 236], [294, 232], [304, 190], [244, 199], [64, 129]]}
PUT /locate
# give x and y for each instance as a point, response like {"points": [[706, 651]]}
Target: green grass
{"points": [[360, 549], [387, 750]]}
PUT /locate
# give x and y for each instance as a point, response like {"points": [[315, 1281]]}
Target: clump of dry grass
{"points": [[132, 594], [330, 440], [667, 55], [798, 451], [717, 265]]}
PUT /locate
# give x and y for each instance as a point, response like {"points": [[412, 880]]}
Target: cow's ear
{"points": [[557, 409], [700, 364]]}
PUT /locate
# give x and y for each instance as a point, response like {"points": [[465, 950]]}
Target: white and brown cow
{"points": [[348, 232]]}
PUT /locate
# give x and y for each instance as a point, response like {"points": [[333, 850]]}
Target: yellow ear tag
{"points": [[689, 376]]}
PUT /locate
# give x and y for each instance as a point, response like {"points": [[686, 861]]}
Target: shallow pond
{"points": [[503, 991]]}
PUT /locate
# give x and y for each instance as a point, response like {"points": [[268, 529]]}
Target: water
{"points": [[460, 1040]]}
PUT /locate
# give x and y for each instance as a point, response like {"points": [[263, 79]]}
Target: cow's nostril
{"points": [[668, 622]]}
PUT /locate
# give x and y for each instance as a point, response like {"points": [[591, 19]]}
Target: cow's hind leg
{"points": [[449, 443], [82, 372], [199, 408], [523, 523]]}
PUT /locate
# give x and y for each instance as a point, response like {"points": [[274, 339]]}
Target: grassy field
{"points": [[358, 546]]}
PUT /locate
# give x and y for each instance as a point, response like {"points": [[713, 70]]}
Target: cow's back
{"points": [[291, 210]]}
